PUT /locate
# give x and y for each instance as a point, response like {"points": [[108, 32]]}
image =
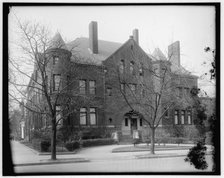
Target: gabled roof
{"points": [[83, 54], [57, 42], [158, 54], [179, 70]]}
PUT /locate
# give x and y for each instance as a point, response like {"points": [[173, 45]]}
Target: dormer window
{"points": [[55, 60]]}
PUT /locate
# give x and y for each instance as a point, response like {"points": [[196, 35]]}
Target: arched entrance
{"points": [[132, 121]]}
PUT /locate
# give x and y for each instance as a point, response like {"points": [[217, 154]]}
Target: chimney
{"points": [[174, 53], [135, 35], [93, 37]]}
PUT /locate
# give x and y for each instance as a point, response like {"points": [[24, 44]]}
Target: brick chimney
{"points": [[135, 35], [174, 53], [93, 37]]}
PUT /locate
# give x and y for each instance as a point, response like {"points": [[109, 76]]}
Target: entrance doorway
{"points": [[134, 125]]}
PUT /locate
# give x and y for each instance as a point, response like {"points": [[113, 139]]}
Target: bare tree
{"points": [[149, 89], [53, 92]]}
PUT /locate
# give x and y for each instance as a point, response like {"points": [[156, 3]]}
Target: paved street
{"points": [[176, 164], [101, 159]]}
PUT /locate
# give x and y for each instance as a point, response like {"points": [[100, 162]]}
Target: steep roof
{"points": [[58, 42], [83, 54], [158, 54]]}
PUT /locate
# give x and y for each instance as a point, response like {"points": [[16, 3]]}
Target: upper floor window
{"points": [[109, 91], [131, 67], [166, 112], [133, 87], [82, 86], [142, 92], [180, 92], [182, 116], [121, 66], [92, 87], [92, 116], [55, 60], [176, 117], [56, 81], [140, 70], [189, 120], [83, 116], [187, 91], [122, 87]]}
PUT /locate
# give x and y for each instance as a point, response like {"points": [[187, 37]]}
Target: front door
{"points": [[133, 125]]}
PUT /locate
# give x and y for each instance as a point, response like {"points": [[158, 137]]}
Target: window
{"points": [[109, 91], [180, 92], [92, 116], [82, 86], [110, 120], [92, 87], [176, 117], [122, 87], [182, 116], [126, 121], [121, 66], [189, 120], [166, 112], [131, 67], [133, 87], [55, 60], [140, 122], [140, 70], [58, 114], [142, 92], [187, 91], [56, 81], [83, 114]]}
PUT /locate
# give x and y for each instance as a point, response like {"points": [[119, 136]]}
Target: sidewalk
{"points": [[23, 155]]}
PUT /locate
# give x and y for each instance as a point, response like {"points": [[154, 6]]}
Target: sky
{"points": [[159, 26]]}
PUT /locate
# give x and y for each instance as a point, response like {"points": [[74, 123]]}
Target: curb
{"points": [[168, 149], [164, 156], [49, 162], [48, 153], [57, 153]]}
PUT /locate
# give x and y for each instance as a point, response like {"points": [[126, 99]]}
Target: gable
{"points": [[82, 53]]}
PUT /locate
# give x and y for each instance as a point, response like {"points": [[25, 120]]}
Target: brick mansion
{"points": [[115, 86]]}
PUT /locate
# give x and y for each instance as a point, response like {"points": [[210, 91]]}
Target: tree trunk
{"points": [[152, 140], [53, 140]]}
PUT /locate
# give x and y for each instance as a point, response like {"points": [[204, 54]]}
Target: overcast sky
{"points": [[159, 26]]}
